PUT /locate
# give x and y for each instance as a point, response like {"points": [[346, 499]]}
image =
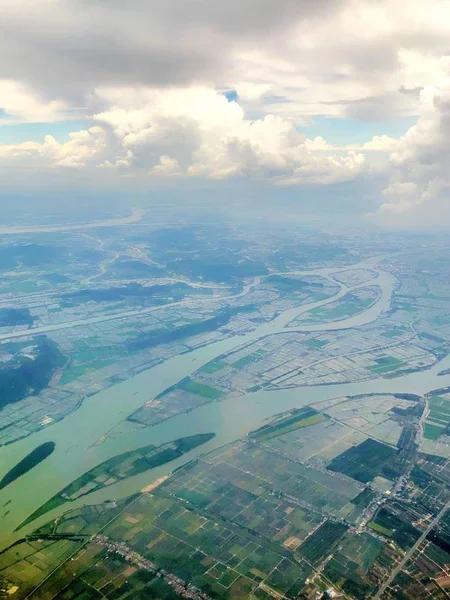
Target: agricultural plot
{"points": [[118, 468], [294, 359], [393, 527], [428, 485], [280, 500], [413, 581], [363, 462], [32, 561], [322, 542], [171, 403], [361, 564], [385, 364], [355, 557], [438, 417], [280, 292], [201, 389], [212, 553], [316, 444], [296, 419], [321, 490], [380, 416], [244, 499], [27, 564], [436, 467], [354, 511], [436, 439], [351, 304]]}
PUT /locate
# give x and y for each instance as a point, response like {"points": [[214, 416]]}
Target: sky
{"points": [[281, 96]]}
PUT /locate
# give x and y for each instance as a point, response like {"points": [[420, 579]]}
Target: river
{"points": [[230, 419], [136, 215]]}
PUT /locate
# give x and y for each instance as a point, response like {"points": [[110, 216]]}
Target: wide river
{"points": [[230, 419]]}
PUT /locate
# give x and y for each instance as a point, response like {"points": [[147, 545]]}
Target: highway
{"points": [[408, 555]]}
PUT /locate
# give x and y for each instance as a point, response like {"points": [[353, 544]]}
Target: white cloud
{"points": [[150, 74], [82, 149], [167, 166], [381, 143], [420, 174], [195, 133], [353, 58], [23, 105], [199, 133]]}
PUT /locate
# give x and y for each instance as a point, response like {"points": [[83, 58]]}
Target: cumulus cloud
{"points": [[208, 89], [420, 176], [81, 150], [23, 104], [198, 132], [194, 132]]}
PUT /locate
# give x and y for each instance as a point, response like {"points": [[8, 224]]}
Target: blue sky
{"points": [[336, 131], [18, 133], [351, 131]]}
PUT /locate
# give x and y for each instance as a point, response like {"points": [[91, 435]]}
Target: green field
{"points": [[393, 526], [392, 333], [322, 541], [432, 432], [355, 557], [363, 462], [438, 418], [314, 343], [246, 360], [304, 417], [213, 367], [118, 468], [201, 389], [349, 305], [386, 364], [380, 529]]}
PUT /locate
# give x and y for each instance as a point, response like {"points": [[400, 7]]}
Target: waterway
{"points": [[136, 215], [230, 419]]}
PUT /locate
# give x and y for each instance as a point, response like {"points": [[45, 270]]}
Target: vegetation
{"points": [[363, 462], [349, 305], [201, 389], [165, 336], [220, 269], [380, 529], [30, 461], [213, 366], [135, 291], [364, 498], [301, 417], [134, 269], [291, 284], [118, 468], [433, 432], [385, 364], [28, 255], [394, 527], [322, 541], [11, 317], [24, 376]]}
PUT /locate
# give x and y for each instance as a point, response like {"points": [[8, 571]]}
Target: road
{"points": [[408, 555]]}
